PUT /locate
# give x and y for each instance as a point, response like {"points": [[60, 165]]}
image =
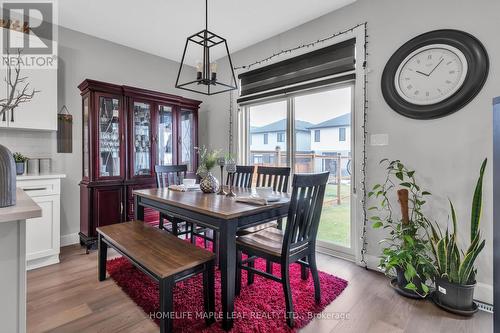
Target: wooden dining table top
{"points": [[219, 206]]}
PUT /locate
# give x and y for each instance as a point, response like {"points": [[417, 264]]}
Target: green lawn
{"points": [[335, 220]]}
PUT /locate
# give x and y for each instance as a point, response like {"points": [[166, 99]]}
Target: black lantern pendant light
{"points": [[206, 80]]}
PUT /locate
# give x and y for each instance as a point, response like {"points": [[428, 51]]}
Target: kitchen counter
{"points": [[24, 209], [13, 261], [41, 176]]}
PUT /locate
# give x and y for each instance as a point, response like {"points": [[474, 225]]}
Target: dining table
{"points": [[221, 213]]}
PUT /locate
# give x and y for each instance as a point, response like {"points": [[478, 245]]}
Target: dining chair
{"points": [[243, 177], [167, 175], [277, 178], [294, 244]]}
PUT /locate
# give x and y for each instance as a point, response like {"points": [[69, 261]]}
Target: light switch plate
{"points": [[379, 139]]}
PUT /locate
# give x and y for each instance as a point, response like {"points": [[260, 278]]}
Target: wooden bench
{"points": [[162, 256]]}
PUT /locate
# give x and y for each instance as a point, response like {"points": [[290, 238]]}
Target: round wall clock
{"points": [[435, 74]]}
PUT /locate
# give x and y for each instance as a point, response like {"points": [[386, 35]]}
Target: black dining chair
{"points": [[294, 244], [275, 177], [243, 177], [167, 175]]}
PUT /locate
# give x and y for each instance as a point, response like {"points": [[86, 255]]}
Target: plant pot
{"points": [[455, 296], [20, 168], [209, 184], [402, 282]]}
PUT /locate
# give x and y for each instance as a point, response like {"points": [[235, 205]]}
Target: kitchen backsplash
{"points": [[29, 143]]}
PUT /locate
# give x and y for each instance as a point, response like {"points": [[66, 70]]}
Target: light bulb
{"points": [[199, 68], [213, 70], [213, 67]]}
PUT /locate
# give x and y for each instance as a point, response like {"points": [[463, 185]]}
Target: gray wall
{"points": [[446, 152], [82, 56]]}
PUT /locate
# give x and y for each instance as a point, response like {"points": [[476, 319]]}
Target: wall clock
{"points": [[435, 74]]}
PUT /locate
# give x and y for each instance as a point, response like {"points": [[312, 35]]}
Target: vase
{"points": [[455, 296], [19, 168], [209, 184], [402, 282], [7, 178]]}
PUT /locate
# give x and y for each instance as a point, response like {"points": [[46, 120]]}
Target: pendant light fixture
{"points": [[206, 80]]}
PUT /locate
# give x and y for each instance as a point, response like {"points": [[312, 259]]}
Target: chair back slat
{"points": [[167, 175], [242, 177], [304, 213], [275, 177]]}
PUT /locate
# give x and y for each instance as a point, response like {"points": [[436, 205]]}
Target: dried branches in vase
{"points": [[15, 95]]}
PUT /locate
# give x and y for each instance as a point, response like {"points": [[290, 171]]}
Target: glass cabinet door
{"points": [[86, 142], [165, 135], [141, 124], [186, 135], [109, 137]]}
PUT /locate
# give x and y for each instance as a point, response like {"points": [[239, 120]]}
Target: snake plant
{"points": [[452, 264]]}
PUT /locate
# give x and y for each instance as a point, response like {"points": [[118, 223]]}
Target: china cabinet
{"points": [[126, 132]]}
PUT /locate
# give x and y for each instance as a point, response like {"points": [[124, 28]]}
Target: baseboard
{"points": [[42, 262], [483, 292], [372, 262], [70, 239]]}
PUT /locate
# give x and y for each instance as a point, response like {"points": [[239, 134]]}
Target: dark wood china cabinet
{"points": [[126, 132]]}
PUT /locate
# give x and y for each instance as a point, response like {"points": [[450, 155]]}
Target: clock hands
{"points": [[439, 63]]}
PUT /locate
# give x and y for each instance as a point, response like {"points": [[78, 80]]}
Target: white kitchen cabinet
{"points": [[43, 233], [41, 112]]}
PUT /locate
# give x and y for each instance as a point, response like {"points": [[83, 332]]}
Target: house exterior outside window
{"points": [[266, 138], [280, 137], [342, 134], [317, 135]]}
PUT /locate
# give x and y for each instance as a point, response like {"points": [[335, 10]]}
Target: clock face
{"points": [[431, 74]]}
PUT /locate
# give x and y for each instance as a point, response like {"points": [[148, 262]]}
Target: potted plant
{"points": [[405, 254], [456, 276], [208, 159], [20, 162]]}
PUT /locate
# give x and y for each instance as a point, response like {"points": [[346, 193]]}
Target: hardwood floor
{"points": [[68, 298]]}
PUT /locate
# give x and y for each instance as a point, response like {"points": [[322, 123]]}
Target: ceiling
{"points": [[161, 27]]}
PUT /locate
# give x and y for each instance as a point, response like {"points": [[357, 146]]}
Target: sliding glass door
{"points": [[323, 143], [267, 134], [311, 132]]}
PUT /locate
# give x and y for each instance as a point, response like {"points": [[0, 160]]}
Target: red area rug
{"points": [[259, 308]]}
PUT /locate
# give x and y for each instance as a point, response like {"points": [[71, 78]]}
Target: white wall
{"points": [[329, 140], [446, 152]]}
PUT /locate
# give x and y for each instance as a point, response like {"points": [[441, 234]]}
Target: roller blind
{"points": [[306, 71]]}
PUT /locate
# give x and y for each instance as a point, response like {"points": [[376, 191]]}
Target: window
{"points": [[317, 135], [312, 120], [342, 134]]}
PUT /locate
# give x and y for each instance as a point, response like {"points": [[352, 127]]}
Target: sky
{"points": [[313, 108]]}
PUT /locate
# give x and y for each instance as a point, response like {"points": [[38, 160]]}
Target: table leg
{"points": [[227, 264], [166, 304], [139, 209], [103, 254]]}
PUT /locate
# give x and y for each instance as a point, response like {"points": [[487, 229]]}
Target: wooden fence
{"points": [[306, 162]]}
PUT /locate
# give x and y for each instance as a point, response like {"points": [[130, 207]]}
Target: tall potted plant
{"points": [[456, 275], [405, 253]]}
